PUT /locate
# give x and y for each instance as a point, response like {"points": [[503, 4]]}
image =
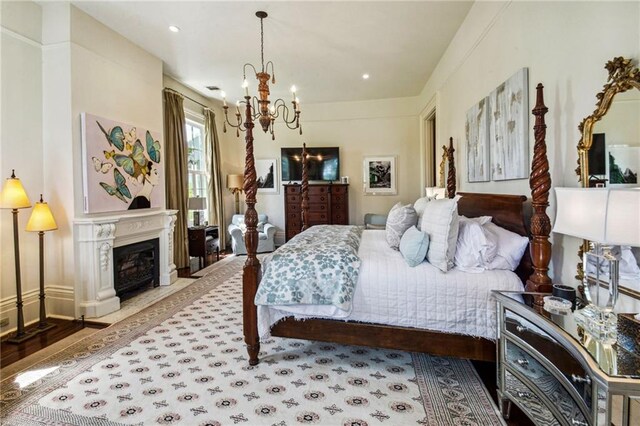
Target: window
{"points": [[196, 162]]}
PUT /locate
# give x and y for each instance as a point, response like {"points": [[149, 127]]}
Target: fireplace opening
{"points": [[136, 267]]}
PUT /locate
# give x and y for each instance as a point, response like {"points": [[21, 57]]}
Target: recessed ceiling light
{"points": [[365, 76], [174, 29]]}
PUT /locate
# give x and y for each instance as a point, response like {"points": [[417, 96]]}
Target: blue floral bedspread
{"points": [[316, 267]]}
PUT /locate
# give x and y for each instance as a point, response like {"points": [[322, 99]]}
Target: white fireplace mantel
{"points": [[95, 238]]}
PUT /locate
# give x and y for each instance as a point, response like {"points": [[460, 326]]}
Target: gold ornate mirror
{"points": [[609, 150]]}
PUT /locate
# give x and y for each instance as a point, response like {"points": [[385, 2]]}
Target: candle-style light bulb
{"points": [[272, 109], [224, 98], [293, 90], [238, 107], [297, 104], [245, 84]]}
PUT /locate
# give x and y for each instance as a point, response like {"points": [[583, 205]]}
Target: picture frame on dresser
{"points": [[267, 176], [379, 175]]}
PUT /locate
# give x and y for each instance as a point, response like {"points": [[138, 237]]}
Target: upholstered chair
{"points": [[266, 234]]}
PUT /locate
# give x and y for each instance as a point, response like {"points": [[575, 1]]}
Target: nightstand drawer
{"points": [[558, 357], [528, 401], [557, 390]]}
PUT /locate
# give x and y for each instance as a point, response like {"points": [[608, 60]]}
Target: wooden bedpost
{"points": [[540, 183], [451, 175], [251, 271], [305, 190]]}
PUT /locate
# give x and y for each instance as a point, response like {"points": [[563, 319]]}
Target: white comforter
{"points": [[390, 292]]}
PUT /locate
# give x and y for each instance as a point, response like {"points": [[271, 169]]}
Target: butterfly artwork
{"points": [[115, 136], [121, 190], [100, 166], [135, 163], [153, 148]]}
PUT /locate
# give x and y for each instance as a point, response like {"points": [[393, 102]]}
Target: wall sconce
{"points": [[42, 220], [14, 197]]}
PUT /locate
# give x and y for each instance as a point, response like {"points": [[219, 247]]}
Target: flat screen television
{"points": [[597, 157], [322, 163]]}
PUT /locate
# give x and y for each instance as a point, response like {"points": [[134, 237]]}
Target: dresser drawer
{"points": [[338, 189], [339, 218], [528, 401], [318, 190], [338, 199], [294, 199], [556, 390], [554, 352], [318, 218], [292, 208], [293, 189], [319, 198], [315, 207]]}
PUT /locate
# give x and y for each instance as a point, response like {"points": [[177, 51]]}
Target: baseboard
{"points": [[60, 303]]}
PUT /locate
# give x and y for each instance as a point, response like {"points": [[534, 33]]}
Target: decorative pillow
{"points": [[472, 247], [413, 246], [400, 219], [440, 222], [511, 247], [420, 205], [260, 226]]}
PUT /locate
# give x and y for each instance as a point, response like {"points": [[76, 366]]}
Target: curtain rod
{"points": [[168, 89]]}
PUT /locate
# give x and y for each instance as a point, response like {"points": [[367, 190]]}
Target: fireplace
{"points": [[136, 266]]}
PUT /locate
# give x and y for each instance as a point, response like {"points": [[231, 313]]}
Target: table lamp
{"points": [[42, 220], [235, 184], [605, 217], [14, 197], [197, 204]]}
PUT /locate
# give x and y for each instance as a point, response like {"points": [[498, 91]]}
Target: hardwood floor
{"points": [[10, 352]]}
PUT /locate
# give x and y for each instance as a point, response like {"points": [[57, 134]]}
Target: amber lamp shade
{"points": [[41, 218]]}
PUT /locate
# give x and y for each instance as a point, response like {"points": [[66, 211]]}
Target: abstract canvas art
{"points": [[267, 176], [380, 175], [122, 166], [509, 128], [477, 133]]}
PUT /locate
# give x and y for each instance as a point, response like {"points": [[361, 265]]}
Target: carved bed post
{"points": [[305, 189], [451, 176], [540, 183], [251, 270]]}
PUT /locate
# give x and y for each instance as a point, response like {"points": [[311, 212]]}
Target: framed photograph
{"points": [[623, 165], [122, 166], [380, 175], [477, 133], [267, 176], [509, 128]]}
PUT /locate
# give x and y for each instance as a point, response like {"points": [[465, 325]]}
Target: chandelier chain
{"points": [[262, 43]]}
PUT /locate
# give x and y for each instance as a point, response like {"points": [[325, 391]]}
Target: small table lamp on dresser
{"points": [[197, 204], [606, 218]]}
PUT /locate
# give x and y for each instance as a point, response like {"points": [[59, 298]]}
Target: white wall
{"points": [[20, 146], [565, 46], [383, 127]]}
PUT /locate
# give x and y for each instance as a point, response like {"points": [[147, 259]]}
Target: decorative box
{"points": [[629, 333]]}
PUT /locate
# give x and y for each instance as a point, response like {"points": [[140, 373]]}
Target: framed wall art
{"points": [[122, 165], [267, 176], [380, 175], [477, 133]]}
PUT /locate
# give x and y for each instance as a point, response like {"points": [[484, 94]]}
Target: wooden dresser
{"points": [[328, 205]]}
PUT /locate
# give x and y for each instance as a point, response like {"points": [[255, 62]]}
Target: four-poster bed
{"points": [[508, 211]]}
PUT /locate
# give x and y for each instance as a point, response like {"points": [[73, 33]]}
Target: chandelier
{"points": [[260, 108]]}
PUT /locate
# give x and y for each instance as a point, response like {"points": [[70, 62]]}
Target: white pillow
{"points": [[400, 219], [473, 249], [440, 222], [420, 205], [511, 247]]}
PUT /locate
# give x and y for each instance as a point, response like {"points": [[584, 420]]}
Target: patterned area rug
{"points": [[183, 361]]}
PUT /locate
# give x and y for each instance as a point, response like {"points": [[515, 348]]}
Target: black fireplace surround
{"points": [[135, 266]]}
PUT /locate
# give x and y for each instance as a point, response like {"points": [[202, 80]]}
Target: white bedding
{"points": [[390, 292]]}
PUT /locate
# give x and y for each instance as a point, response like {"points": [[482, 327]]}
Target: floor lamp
{"points": [[14, 197], [235, 184], [42, 220]]}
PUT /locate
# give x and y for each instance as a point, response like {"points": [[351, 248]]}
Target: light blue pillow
{"points": [[414, 245]]}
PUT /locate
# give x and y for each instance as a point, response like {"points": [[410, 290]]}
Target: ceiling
{"points": [[323, 48]]}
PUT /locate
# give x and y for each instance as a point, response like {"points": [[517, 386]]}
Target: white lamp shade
{"points": [[235, 181], [41, 218], [623, 217], [603, 215], [436, 191], [13, 195], [197, 203], [581, 212]]}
